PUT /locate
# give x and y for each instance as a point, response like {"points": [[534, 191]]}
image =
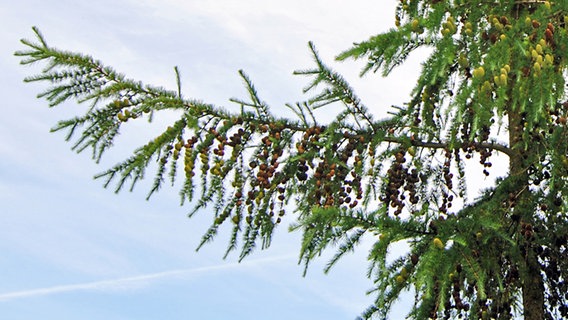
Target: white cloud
{"points": [[282, 28], [138, 281]]}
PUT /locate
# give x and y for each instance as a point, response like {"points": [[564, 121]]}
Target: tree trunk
{"points": [[530, 272], [531, 277], [533, 288]]}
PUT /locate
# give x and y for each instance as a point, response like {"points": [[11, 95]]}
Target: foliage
{"points": [[496, 69]]}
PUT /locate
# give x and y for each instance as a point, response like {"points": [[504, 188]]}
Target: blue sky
{"points": [[73, 250]]}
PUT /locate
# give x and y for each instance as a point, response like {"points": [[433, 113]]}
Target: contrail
{"points": [[129, 281]]}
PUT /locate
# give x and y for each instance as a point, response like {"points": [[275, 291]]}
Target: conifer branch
{"points": [[392, 179]]}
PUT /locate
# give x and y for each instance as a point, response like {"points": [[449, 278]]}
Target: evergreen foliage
{"points": [[496, 69]]}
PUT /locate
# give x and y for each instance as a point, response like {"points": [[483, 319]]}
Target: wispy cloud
{"points": [[135, 281]]}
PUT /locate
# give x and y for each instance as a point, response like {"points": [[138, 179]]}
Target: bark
{"points": [[531, 277], [533, 288]]}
